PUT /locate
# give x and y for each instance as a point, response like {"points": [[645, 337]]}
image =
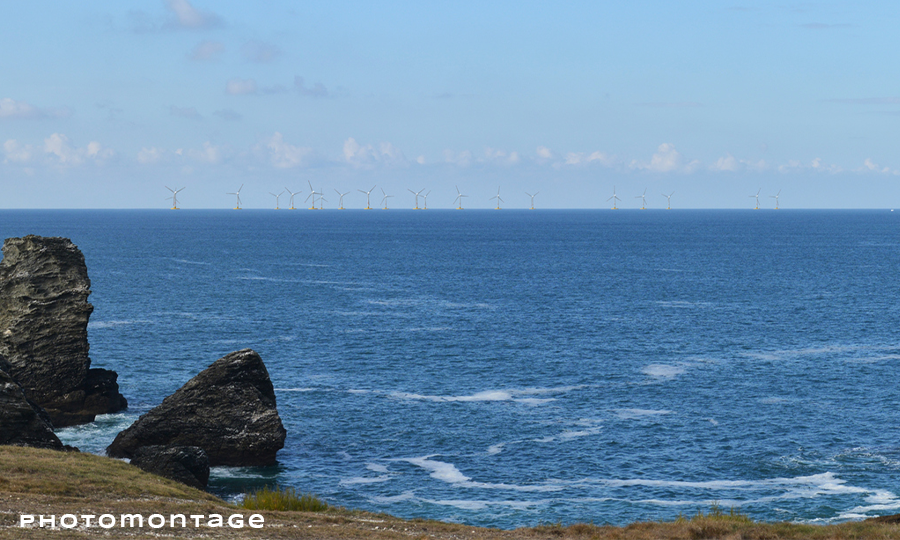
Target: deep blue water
{"points": [[520, 367]]}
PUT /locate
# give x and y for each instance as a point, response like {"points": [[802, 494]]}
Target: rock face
{"points": [[23, 423], [228, 410], [43, 330], [186, 464]]}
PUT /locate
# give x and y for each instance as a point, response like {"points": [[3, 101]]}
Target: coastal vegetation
{"points": [[49, 482]]}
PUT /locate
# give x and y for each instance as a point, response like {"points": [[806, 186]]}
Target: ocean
{"points": [[511, 368]]}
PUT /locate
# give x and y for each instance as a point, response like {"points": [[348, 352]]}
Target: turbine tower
{"points": [[174, 197], [367, 196], [321, 199], [385, 198], [312, 193], [497, 196], [292, 197], [643, 199], [425, 206], [532, 198], [238, 195], [614, 198], [776, 199], [669, 200], [277, 196], [416, 193], [459, 197], [341, 204], [757, 198]]}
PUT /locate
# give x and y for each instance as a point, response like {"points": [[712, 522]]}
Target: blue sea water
{"points": [[513, 368]]}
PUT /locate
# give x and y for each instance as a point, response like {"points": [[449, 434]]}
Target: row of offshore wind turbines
{"points": [[319, 197]]}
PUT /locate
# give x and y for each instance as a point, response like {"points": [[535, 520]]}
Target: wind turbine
{"points": [[776, 199], [385, 198], [614, 198], [757, 199], [341, 204], [425, 206], [367, 196], [292, 197], [174, 197], [669, 199], [416, 193], [532, 198], [497, 196], [321, 199], [312, 193], [238, 195], [459, 197], [277, 196], [643, 199]]}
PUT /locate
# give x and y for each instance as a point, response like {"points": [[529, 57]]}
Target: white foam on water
{"points": [[185, 261], [569, 435], [94, 325], [355, 391], [366, 480], [377, 467], [663, 371], [448, 472], [712, 421], [516, 395], [495, 449], [233, 472], [403, 497], [773, 400], [481, 505], [442, 471], [297, 389], [634, 414]]}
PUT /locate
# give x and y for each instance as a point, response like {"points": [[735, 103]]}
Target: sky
{"points": [[107, 104]]}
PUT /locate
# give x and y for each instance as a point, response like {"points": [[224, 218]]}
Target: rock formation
{"points": [[43, 330], [228, 410], [22, 423], [186, 464]]}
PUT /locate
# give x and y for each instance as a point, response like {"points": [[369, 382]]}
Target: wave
{"points": [[94, 325]]}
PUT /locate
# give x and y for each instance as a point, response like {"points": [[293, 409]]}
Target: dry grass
{"points": [[46, 482]]}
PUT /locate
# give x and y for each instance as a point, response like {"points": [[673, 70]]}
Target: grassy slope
{"points": [[46, 482]]}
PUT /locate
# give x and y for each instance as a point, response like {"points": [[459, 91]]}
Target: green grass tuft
{"points": [[286, 499]]}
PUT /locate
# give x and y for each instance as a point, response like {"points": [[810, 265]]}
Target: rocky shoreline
{"points": [[226, 415]]}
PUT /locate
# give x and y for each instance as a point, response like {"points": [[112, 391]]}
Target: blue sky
{"points": [[103, 104]]}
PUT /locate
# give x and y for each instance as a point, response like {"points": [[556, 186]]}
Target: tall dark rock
{"points": [[44, 314], [23, 423], [228, 410]]}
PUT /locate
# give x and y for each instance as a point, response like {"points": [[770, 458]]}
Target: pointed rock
{"points": [[44, 314], [228, 410]]}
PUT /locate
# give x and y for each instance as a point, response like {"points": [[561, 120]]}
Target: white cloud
{"points": [[501, 156], [727, 163], [581, 158], [817, 165], [187, 16], [59, 148], [58, 145], [207, 51], [10, 108], [460, 159], [240, 87], [544, 153], [368, 156], [150, 155], [208, 154], [666, 159], [283, 155], [870, 166], [17, 152]]}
